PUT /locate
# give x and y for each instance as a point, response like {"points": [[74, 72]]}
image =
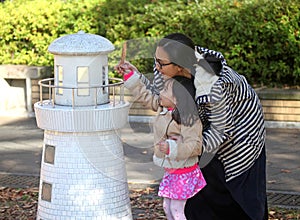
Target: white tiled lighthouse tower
{"points": [[83, 172]]}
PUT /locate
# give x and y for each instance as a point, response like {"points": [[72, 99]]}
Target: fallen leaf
{"points": [[285, 171], [145, 205]]}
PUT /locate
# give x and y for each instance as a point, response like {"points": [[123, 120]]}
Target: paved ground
{"points": [[21, 148]]}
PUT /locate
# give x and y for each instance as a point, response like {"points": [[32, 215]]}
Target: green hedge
{"points": [[259, 38]]}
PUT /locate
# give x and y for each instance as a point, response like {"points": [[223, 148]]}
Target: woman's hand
{"points": [[125, 68]]}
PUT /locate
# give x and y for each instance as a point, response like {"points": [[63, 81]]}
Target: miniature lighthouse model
{"points": [[83, 172]]}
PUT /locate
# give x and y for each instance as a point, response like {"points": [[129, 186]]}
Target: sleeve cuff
{"points": [[172, 149], [132, 81], [128, 75]]}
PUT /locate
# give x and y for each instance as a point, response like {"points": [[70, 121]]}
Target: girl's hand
{"points": [[125, 68], [164, 147]]}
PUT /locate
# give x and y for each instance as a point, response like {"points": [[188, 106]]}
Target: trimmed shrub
{"points": [[259, 38], [29, 27]]}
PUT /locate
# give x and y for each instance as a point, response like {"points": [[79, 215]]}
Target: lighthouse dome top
{"points": [[81, 43]]}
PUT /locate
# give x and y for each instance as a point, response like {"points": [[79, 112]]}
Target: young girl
{"points": [[176, 116], [182, 178]]}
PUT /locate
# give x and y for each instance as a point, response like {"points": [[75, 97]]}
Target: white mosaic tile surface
{"points": [[88, 177]]}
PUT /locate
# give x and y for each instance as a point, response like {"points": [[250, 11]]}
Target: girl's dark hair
{"points": [[181, 50], [183, 90]]}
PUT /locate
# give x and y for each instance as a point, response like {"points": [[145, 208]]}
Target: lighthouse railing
{"points": [[49, 83]]}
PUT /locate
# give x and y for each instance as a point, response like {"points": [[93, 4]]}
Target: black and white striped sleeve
{"points": [[219, 115], [158, 82]]}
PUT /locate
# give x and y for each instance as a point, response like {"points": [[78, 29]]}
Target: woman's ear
{"points": [[179, 69]]}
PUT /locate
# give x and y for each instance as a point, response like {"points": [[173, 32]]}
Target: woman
{"points": [[233, 136]]}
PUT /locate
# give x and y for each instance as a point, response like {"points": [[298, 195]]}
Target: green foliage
{"points": [[29, 27], [259, 38]]}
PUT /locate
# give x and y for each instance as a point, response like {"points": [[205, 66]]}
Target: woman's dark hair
{"points": [[183, 90], [181, 38], [180, 49]]}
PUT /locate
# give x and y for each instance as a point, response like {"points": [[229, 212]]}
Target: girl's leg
{"points": [[177, 209], [167, 206]]}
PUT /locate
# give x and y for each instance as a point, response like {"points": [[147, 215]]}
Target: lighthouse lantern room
{"points": [[81, 62]]}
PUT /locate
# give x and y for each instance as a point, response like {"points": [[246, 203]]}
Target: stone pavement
{"points": [[21, 148]]}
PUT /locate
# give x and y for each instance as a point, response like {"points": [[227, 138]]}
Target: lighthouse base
{"points": [[83, 176]]}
